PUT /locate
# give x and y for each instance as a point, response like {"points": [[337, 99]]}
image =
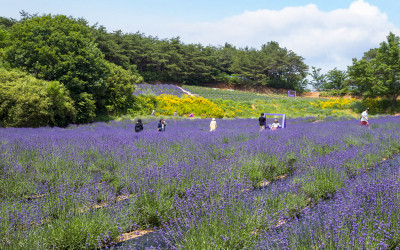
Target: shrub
{"points": [[144, 104], [29, 102], [200, 106], [59, 48], [120, 85], [334, 103], [376, 105]]}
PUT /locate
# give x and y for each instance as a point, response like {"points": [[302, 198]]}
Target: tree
{"points": [[224, 58], [318, 79], [7, 23], [271, 66], [197, 64], [60, 48], [336, 79], [378, 73], [112, 45], [121, 85]]}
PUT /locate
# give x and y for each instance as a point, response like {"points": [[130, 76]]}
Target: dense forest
{"points": [[95, 70], [170, 60]]}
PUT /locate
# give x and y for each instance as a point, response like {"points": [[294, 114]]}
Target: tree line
{"points": [[96, 70], [170, 60]]}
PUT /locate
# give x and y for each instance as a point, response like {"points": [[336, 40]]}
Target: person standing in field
{"points": [[262, 120], [175, 113], [364, 118], [153, 112], [138, 126], [161, 125], [213, 125]]}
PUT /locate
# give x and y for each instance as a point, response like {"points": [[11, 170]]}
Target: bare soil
{"points": [[132, 235]]}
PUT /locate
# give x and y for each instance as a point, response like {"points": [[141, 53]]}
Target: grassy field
{"points": [[249, 104], [209, 102]]}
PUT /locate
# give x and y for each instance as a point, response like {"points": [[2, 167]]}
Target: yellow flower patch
{"points": [[186, 105]]}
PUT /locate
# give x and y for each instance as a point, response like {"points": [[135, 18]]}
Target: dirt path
{"points": [[185, 91]]}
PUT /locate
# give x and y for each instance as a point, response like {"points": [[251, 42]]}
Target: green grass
{"points": [[249, 104]]}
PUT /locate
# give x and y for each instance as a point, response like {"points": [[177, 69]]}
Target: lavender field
{"points": [[327, 185], [159, 89]]}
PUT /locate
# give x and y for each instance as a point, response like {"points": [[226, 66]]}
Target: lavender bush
{"points": [[82, 187]]}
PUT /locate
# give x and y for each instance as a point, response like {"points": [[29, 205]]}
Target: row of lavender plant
{"points": [[364, 215], [158, 89], [66, 188], [234, 222]]}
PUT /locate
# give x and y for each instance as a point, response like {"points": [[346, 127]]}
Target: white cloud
{"points": [[324, 39]]}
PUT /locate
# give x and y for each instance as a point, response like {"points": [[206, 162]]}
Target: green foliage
{"points": [[4, 38], [144, 105], [318, 79], [86, 108], [336, 79], [322, 183], [27, 101], [80, 230], [6, 23], [171, 60], [272, 66], [377, 74], [120, 85], [60, 48], [334, 82], [376, 105], [335, 92], [248, 104]]}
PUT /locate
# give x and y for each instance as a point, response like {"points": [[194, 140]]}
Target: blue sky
{"points": [[326, 33]]}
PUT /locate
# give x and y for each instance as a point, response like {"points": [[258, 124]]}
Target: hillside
{"points": [[213, 102]]}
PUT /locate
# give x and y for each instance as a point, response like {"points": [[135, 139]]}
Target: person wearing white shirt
{"points": [[213, 125], [275, 125], [364, 118]]}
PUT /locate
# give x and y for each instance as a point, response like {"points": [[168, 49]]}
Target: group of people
{"points": [[262, 121], [160, 127]]}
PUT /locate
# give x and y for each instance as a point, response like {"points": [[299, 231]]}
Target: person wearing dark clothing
{"points": [[262, 120], [139, 126], [161, 125]]}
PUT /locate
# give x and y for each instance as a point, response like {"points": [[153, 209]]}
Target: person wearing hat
{"points": [[364, 118], [275, 125], [213, 125]]}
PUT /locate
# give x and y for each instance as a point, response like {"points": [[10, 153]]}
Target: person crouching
{"points": [[275, 125]]}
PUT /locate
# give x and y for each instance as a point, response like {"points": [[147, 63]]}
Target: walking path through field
{"points": [[184, 91]]}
